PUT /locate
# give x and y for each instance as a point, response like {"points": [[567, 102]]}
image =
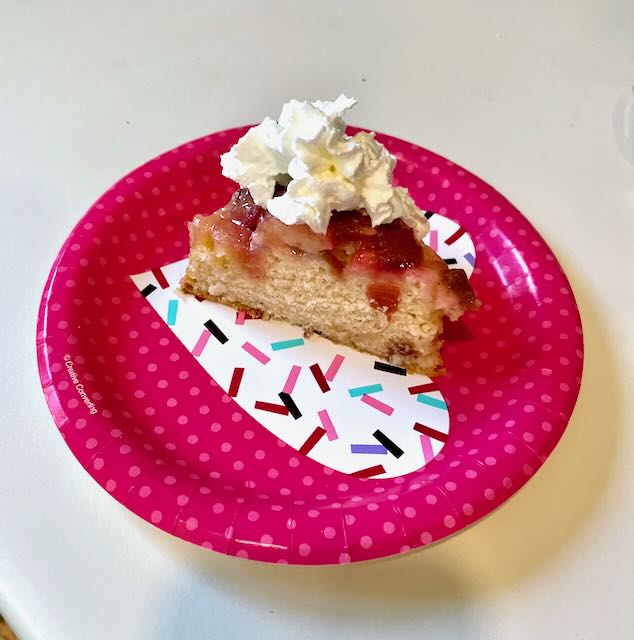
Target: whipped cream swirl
{"points": [[323, 169]]}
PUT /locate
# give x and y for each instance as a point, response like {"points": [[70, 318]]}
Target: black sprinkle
{"points": [[392, 447], [390, 368], [146, 291], [289, 403], [214, 329], [429, 214], [450, 261]]}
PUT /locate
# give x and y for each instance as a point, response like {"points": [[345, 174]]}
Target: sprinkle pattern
{"points": [[370, 472], [511, 397], [320, 379], [439, 403], [215, 331], [334, 367], [430, 432], [328, 426], [236, 380], [256, 353], [377, 404], [172, 310], [291, 381], [201, 343], [366, 390], [160, 278], [147, 290], [287, 344], [390, 368], [289, 403], [374, 449], [312, 440]]}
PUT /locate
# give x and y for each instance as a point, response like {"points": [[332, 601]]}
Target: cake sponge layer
{"points": [[305, 291]]}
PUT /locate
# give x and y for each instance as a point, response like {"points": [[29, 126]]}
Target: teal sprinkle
{"points": [[287, 344], [360, 391], [172, 310], [432, 402]]}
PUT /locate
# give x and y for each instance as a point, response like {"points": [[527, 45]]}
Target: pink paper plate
{"points": [[156, 431]]}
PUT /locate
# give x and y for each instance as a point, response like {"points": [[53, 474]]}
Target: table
{"points": [[524, 95]]}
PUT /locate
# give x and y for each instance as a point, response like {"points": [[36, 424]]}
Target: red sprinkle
{"points": [[319, 378], [422, 388], [236, 379], [271, 408], [312, 440], [432, 433], [160, 278], [369, 472], [455, 236]]}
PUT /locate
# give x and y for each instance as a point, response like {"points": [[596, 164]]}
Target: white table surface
{"points": [[523, 94]]}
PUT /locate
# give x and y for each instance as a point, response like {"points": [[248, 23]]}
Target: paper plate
{"points": [[243, 436]]}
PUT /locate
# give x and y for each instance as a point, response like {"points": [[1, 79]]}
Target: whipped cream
{"points": [[323, 169]]}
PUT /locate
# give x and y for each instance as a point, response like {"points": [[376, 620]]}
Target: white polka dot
{"points": [[366, 542]]}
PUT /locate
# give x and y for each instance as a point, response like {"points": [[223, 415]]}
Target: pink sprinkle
{"points": [[433, 239], [333, 368], [289, 385], [255, 352], [428, 452], [377, 404], [240, 317], [201, 343], [326, 423]]}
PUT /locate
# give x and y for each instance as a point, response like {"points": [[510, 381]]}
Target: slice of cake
{"points": [[318, 236]]}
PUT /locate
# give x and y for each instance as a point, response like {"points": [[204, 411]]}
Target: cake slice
{"points": [[328, 244]]}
